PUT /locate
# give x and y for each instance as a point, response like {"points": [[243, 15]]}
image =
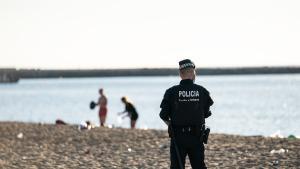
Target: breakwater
{"points": [[9, 75], [39, 73]]}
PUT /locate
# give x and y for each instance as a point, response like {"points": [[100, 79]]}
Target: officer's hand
{"points": [[167, 122]]}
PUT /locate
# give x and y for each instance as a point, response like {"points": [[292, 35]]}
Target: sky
{"points": [[101, 34]]}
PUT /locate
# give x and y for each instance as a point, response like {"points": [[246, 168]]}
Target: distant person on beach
{"points": [[184, 108], [130, 110], [87, 125], [102, 102], [60, 122]]}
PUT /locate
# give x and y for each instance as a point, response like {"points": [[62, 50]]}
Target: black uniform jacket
{"points": [[186, 104]]}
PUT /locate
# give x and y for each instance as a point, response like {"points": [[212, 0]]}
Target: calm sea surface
{"points": [[244, 104]]}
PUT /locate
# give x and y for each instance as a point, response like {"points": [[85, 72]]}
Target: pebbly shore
{"points": [[32, 146]]}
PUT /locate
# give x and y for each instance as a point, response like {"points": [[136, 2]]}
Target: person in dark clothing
{"points": [[131, 111], [184, 108]]}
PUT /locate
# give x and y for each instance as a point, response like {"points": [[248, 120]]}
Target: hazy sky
{"points": [[156, 33]]}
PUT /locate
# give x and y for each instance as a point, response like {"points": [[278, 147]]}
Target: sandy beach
{"points": [[26, 145]]}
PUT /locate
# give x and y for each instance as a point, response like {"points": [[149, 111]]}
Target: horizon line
{"points": [[139, 68]]}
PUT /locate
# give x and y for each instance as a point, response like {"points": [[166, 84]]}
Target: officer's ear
{"points": [[194, 75], [181, 74]]}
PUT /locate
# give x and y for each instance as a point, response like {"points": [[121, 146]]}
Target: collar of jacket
{"points": [[186, 81]]}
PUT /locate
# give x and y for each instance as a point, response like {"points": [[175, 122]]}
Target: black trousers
{"points": [[188, 145]]}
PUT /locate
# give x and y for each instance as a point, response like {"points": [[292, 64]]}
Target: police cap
{"points": [[186, 63]]}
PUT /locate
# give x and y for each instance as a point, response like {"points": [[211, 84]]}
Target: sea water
{"points": [[244, 104]]}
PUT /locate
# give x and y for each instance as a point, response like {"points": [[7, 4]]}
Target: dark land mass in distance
{"points": [[39, 73], [13, 75]]}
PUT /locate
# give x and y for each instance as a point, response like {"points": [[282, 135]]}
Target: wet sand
{"points": [[64, 146]]}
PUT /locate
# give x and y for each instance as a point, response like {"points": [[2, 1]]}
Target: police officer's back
{"points": [[184, 109]]}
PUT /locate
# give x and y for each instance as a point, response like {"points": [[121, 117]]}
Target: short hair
{"points": [[187, 71], [124, 99]]}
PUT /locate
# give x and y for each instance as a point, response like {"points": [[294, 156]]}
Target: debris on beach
{"points": [[280, 151], [275, 163], [292, 137], [87, 151], [144, 127], [163, 146], [277, 135], [20, 136]]}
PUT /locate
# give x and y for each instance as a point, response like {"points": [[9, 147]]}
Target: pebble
{"points": [[20, 136]]}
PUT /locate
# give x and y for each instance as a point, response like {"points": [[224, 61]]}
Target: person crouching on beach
{"points": [[131, 111], [102, 102]]}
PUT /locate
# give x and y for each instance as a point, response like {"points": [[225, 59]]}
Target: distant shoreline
{"points": [[40, 73], [65, 73]]}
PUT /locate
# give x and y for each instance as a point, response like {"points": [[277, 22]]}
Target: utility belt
{"points": [[193, 129], [198, 130]]}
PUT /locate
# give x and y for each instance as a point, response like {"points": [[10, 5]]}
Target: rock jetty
{"points": [[9, 76]]}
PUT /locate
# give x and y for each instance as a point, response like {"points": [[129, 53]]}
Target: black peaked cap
{"points": [[186, 63]]}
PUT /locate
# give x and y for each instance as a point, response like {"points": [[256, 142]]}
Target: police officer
{"points": [[184, 109]]}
